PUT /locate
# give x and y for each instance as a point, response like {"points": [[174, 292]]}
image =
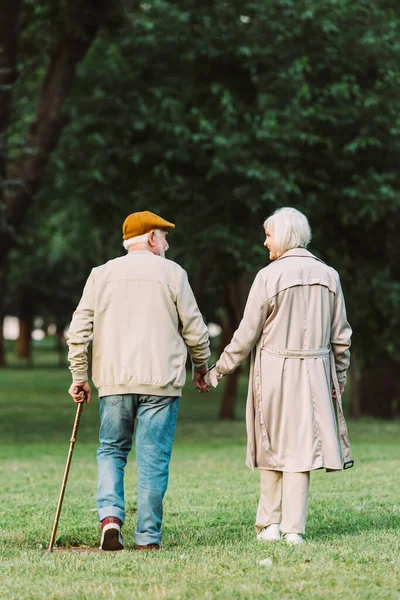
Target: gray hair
{"points": [[291, 229], [139, 239]]}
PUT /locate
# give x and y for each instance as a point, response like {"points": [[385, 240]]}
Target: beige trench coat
{"points": [[296, 327]]}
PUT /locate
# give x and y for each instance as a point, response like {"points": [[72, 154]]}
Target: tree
{"points": [[288, 103], [216, 114], [21, 174], [48, 266]]}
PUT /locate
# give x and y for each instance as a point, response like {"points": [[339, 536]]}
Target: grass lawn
{"points": [[210, 549]]}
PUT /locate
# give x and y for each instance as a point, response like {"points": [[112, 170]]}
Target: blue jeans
{"points": [[155, 431]]}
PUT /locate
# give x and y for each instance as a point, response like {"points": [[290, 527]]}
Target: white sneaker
{"points": [[294, 538], [270, 533]]}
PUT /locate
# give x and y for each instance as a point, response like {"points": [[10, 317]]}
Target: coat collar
{"points": [[302, 252]]}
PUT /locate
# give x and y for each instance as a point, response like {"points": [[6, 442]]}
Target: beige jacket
{"points": [[142, 315], [295, 323]]}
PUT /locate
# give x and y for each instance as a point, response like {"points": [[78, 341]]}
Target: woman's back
{"points": [[301, 292]]}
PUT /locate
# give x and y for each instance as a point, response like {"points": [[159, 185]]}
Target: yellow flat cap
{"points": [[140, 223]]}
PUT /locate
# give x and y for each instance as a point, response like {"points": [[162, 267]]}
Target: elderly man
{"points": [[143, 317]]}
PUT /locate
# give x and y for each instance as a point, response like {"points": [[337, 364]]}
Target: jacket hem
{"points": [[137, 388], [300, 470]]}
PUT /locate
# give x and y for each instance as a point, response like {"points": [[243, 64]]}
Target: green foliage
{"points": [[215, 115]]}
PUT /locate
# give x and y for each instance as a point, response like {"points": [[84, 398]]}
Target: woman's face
{"points": [[270, 244]]}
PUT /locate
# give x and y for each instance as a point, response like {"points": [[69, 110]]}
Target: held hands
{"points": [[341, 390], [199, 381], [80, 392]]}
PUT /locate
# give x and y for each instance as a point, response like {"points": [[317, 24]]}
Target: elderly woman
{"points": [[296, 327]]}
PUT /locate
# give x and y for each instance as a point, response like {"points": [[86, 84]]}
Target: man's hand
{"points": [[198, 380], [80, 392], [341, 389], [204, 385]]}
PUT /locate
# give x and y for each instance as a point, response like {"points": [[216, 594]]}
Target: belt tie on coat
{"points": [[316, 353]]}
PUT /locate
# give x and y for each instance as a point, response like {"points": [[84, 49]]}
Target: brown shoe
{"points": [[149, 547], [111, 538]]}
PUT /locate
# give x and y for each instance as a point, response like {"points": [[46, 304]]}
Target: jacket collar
{"points": [[302, 252]]}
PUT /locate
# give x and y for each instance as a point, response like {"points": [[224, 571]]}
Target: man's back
{"points": [[134, 293], [144, 314]]}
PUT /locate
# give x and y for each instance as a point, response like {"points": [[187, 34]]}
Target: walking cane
{"points": [[79, 410]]}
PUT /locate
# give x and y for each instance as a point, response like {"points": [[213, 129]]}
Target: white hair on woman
{"points": [[291, 229], [140, 239]]}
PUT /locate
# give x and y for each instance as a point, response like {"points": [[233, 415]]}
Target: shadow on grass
{"points": [[223, 528]]}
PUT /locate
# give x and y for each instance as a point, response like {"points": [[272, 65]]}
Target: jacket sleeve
{"points": [[249, 330], [194, 331], [80, 333], [340, 337]]}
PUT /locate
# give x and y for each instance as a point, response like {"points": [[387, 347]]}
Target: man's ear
{"points": [[152, 238]]}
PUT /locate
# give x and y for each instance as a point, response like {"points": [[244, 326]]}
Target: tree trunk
{"points": [[2, 349], [228, 400], [380, 388], [234, 301], [24, 342], [19, 183], [25, 315], [47, 125], [2, 297], [9, 27]]}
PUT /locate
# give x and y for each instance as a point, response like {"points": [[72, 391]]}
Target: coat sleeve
{"points": [[340, 337], [249, 330], [80, 333], [193, 329]]}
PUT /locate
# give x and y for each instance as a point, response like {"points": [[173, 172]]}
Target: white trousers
{"points": [[284, 500]]}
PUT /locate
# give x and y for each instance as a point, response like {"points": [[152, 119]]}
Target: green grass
{"points": [[210, 550]]}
